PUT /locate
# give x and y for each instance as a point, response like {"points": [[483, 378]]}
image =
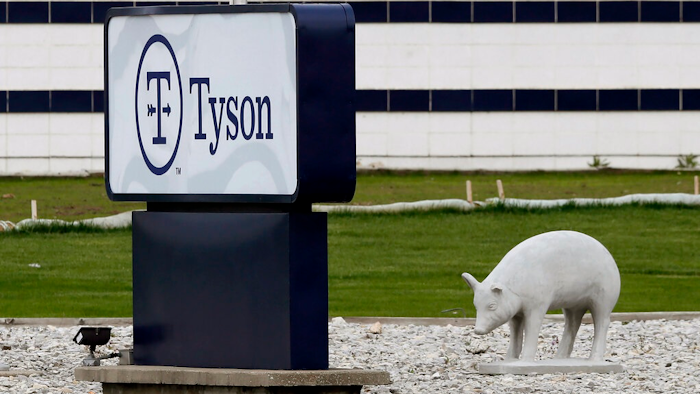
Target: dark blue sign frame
{"points": [[325, 39]]}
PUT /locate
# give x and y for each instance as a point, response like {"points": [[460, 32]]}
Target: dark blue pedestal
{"points": [[231, 290]]}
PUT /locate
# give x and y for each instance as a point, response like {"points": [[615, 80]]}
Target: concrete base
{"points": [[569, 365], [138, 379]]}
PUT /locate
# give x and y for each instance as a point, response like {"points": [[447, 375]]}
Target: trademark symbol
{"points": [[178, 170]]}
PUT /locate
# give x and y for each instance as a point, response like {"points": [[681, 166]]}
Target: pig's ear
{"points": [[497, 288], [471, 281]]}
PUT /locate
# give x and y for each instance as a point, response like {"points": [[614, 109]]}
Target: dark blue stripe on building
{"points": [[534, 100], [76, 101], [371, 100], [543, 100], [71, 12], [409, 12], [577, 11], [28, 12], [409, 100], [661, 11], [618, 100], [71, 101], [493, 12], [452, 100], [29, 101], [577, 100], [492, 100], [99, 10], [371, 12], [448, 11], [153, 3], [534, 11], [98, 101], [691, 99], [618, 11], [403, 11], [487, 100], [691, 11], [660, 100], [198, 3]]}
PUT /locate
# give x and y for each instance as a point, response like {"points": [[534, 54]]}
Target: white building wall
{"points": [[528, 56], [47, 57], [51, 143], [525, 140], [51, 56], [412, 56]]}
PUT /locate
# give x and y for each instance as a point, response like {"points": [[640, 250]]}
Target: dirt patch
{"points": [[71, 210]]}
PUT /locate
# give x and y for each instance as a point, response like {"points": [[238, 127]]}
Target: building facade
{"points": [[448, 85]]}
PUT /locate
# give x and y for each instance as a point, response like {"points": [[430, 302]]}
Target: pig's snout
{"points": [[480, 328]]}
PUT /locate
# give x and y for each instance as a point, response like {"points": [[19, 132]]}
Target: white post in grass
{"points": [[469, 192], [34, 214], [697, 185], [499, 185]]}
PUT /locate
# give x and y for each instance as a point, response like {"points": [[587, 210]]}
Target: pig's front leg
{"points": [[516, 337], [532, 323]]}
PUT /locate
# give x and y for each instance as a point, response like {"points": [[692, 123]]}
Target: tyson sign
{"points": [[230, 103]]}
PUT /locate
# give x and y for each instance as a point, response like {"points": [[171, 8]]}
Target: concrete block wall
{"points": [[528, 56], [650, 60], [40, 62], [525, 140], [441, 85]]}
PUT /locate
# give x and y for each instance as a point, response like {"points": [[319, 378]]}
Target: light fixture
{"points": [[93, 337]]}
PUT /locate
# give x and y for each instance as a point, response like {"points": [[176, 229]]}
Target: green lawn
{"points": [[80, 198], [410, 265], [58, 198], [387, 187], [382, 265], [79, 274]]}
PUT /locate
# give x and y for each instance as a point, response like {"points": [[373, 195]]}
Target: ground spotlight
{"points": [[93, 337]]}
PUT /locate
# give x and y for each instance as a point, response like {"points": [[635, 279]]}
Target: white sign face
{"points": [[202, 104]]}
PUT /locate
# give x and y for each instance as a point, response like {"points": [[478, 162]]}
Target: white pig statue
{"points": [[556, 270]]}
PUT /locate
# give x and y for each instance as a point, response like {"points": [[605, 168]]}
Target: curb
{"points": [[554, 318], [402, 321], [66, 321], [19, 372]]}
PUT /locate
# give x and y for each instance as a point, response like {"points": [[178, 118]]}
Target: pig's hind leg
{"points": [[601, 322], [516, 337], [572, 323]]}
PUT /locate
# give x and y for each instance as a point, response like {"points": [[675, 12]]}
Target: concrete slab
{"points": [[18, 372], [420, 321], [140, 374], [571, 365], [66, 322], [556, 318]]}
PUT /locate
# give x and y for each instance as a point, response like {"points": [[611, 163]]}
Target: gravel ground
{"points": [[659, 356]]}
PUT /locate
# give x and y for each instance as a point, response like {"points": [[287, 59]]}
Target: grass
{"points": [[81, 198], [382, 265], [80, 274], [388, 187], [58, 198], [410, 264]]}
